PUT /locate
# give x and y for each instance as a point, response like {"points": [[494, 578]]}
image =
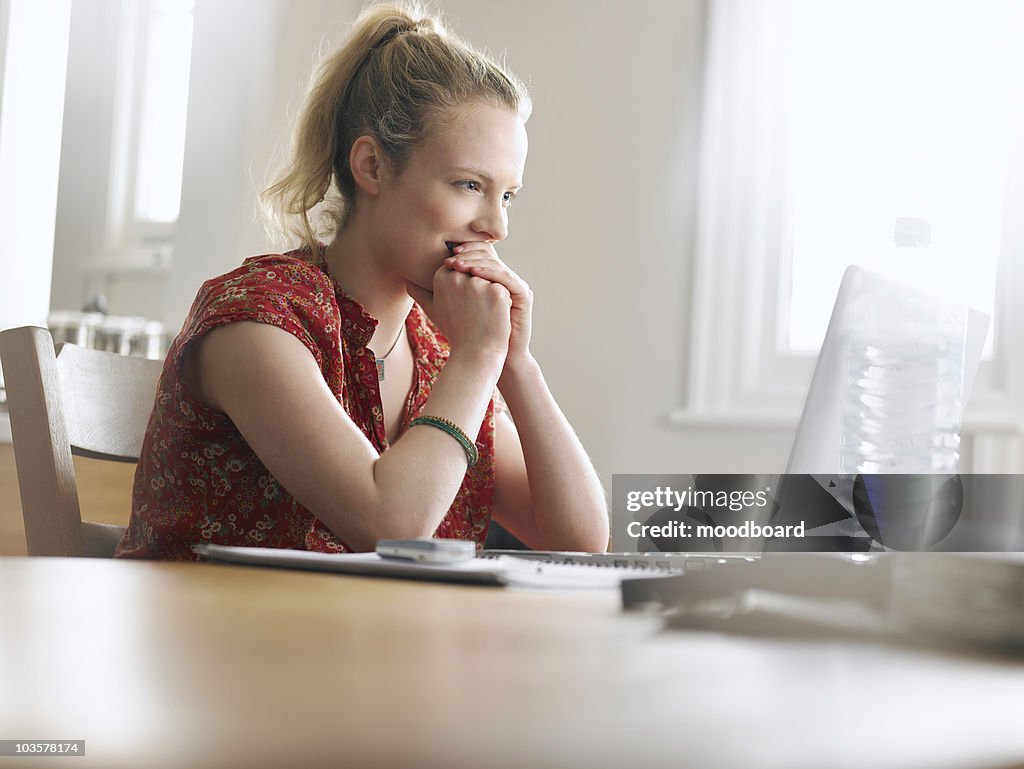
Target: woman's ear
{"points": [[366, 160]]}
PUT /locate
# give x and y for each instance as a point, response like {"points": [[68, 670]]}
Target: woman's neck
{"points": [[382, 294]]}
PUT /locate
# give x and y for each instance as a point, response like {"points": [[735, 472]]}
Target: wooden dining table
{"points": [[202, 665]]}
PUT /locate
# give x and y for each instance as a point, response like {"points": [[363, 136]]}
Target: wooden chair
{"points": [[72, 400]]}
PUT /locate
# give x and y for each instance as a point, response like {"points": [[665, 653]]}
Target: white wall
{"points": [[603, 231], [86, 150]]}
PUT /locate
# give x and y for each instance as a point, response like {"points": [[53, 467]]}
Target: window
{"points": [[899, 132], [151, 100], [164, 104], [855, 131]]}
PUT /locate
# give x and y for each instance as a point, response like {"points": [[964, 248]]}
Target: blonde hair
{"points": [[398, 73]]}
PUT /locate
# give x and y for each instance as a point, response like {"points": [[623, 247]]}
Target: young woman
{"points": [[335, 395]]}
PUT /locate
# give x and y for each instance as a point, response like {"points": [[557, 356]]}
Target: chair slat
{"points": [[107, 400]]}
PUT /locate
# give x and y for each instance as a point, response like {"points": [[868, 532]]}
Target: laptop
{"points": [[864, 301], [863, 293], [868, 305]]}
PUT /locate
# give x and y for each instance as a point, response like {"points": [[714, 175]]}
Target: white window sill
{"points": [[977, 421]]}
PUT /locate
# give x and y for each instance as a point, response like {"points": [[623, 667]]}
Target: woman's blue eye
{"points": [[471, 186]]}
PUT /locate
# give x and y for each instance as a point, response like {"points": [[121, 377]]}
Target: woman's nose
{"points": [[492, 224]]}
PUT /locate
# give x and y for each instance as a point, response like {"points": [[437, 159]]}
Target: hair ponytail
{"points": [[397, 72]]}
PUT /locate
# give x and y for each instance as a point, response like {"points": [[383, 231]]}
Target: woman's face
{"points": [[456, 187]]}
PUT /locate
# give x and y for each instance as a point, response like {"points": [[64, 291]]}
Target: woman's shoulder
{"points": [[294, 274], [265, 287], [293, 267], [287, 290]]}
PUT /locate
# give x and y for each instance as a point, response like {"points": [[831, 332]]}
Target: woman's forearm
{"points": [[568, 501], [417, 478]]}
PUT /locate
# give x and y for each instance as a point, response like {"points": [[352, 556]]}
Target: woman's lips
{"points": [[450, 245]]}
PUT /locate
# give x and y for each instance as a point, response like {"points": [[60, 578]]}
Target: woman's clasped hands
{"points": [[479, 303]]}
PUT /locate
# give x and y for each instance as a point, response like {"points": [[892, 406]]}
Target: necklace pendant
{"points": [[380, 361]]}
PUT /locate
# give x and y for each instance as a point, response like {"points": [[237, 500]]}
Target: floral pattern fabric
{"points": [[199, 481]]}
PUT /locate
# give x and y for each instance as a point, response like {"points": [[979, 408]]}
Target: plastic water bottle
{"points": [[903, 403]]}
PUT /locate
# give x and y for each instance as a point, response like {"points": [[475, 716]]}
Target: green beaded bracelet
{"points": [[472, 455]]}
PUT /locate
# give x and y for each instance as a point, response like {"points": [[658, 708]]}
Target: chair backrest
{"points": [[72, 400]]}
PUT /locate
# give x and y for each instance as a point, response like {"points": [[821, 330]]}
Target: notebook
{"points": [[497, 569]]}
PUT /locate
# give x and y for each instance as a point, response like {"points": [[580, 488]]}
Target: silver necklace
{"points": [[380, 361]]}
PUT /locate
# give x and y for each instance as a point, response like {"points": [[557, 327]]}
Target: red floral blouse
{"points": [[199, 481]]}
